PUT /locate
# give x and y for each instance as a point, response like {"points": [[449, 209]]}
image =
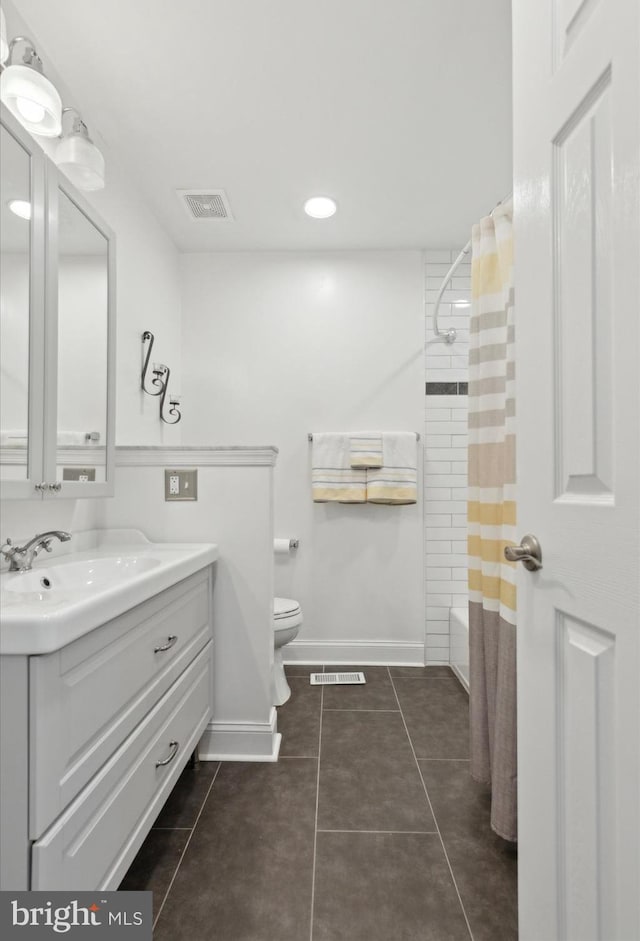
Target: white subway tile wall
{"points": [[445, 451]]}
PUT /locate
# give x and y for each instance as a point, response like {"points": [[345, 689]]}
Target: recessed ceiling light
{"points": [[20, 207], [320, 207]]}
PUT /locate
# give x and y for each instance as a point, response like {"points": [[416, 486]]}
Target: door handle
{"points": [[529, 552]]}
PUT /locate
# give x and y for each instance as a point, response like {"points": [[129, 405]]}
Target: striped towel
{"points": [[396, 482], [333, 480], [366, 449]]}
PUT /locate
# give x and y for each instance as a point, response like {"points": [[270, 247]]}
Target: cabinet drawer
{"points": [[94, 841], [86, 698]]}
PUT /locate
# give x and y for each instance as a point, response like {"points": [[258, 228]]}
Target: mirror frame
{"points": [[56, 182]]}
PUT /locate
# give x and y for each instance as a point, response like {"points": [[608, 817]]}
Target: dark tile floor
{"points": [[368, 827]]}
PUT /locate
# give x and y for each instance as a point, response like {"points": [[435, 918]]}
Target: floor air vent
{"points": [[336, 679], [206, 205]]}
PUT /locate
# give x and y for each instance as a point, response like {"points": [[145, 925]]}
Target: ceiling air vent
{"points": [[206, 205]]}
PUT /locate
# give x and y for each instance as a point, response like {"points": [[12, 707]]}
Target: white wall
{"points": [[235, 510], [445, 467], [279, 345]]}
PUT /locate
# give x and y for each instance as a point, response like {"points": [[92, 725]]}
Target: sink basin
{"points": [[86, 575], [109, 573]]}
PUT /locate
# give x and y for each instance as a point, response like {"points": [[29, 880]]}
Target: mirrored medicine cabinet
{"points": [[57, 330]]}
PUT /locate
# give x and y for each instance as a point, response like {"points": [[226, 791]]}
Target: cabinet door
{"points": [[22, 240], [80, 345]]}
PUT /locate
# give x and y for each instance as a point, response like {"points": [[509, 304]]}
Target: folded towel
{"points": [[13, 439], [396, 482], [366, 449], [333, 480]]}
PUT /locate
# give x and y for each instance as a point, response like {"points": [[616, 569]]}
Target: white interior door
{"points": [[577, 244]]}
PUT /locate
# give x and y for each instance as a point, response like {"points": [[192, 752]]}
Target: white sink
{"points": [[61, 599], [87, 575]]}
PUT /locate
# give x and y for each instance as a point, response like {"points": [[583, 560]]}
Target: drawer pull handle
{"points": [[175, 748], [171, 639]]}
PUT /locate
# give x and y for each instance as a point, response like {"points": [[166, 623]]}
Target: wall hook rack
{"points": [[160, 382], [174, 402]]}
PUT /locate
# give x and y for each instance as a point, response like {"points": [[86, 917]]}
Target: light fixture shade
{"points": [[80, 160], [32, 98], [4, 45], [20, 208]]}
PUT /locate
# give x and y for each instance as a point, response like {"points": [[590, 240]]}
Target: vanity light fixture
{"points": [[160, 382], [29, 94], [20, 207], [78, 157], [320, 207]]}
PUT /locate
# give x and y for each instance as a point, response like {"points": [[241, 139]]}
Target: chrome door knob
{"points": [[528, 552]]}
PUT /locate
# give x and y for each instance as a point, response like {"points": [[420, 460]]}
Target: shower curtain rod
{"points": [[450, 335]]}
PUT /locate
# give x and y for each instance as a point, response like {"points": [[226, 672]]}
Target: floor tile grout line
{"points": [[315, 825], [445, 759], [435, 819], [394, 832], [306, 757], [426, 679], [186, 847], [329, 709]]}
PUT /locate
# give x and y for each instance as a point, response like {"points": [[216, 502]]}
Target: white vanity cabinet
{"points": [[94, 736], [57, 343]]}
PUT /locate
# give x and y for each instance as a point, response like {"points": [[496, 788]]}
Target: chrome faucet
{"points": [[21, 557]]}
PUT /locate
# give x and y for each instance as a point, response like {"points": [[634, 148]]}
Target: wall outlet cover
{"points": [[180, 484], [82, 474]]}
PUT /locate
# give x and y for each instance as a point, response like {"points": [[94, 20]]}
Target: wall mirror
{"points": [[83, 342], [15, 267]]}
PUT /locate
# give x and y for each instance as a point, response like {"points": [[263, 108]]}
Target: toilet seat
{"points": [[285, 608]]}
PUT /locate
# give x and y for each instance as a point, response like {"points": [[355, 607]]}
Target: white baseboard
{"points": [[357, 652], [241, 741]]}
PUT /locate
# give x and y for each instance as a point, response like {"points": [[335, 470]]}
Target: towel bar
{"points": [[417, 434]]}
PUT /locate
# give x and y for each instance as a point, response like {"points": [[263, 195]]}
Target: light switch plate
{"points": [[181, 484]]}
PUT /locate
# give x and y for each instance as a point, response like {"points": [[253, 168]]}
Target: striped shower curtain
{"points": [[492, 518]]}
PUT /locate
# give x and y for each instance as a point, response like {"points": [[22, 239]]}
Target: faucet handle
{"points": [[3, 549], [46, 544]]}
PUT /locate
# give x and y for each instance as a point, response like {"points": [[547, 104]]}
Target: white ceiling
{"points": [[400, 109]]}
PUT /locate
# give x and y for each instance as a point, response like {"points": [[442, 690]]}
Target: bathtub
{"points": [[459, 644]]}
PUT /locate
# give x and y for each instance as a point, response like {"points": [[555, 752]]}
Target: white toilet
{"points": [[287, 618]]}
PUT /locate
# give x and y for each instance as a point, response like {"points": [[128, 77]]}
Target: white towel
{"points": [[333, 480], [366, 449], [14, 439], [396, 482]]}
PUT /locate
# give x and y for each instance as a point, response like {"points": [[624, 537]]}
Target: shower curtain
{"points": [[492, 517]]}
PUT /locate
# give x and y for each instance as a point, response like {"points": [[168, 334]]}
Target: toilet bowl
{"points": [[287, 618]]}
